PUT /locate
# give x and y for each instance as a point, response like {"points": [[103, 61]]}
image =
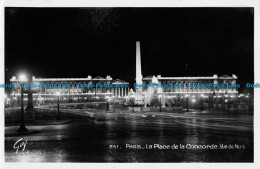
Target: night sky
{"points": [[77, 42]]}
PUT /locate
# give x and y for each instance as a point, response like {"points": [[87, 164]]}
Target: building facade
{"points": [[172, 89], [46, 90]]}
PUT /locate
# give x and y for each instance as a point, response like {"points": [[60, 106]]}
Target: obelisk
{"points": [[139, 77]]}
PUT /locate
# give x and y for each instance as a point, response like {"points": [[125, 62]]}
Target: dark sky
{"points": [[77, 42]]}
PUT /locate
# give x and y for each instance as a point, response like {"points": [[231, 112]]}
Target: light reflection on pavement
{"points": [[88, 137]]}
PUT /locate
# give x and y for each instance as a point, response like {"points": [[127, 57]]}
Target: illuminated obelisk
{"points": [[139, 77]]}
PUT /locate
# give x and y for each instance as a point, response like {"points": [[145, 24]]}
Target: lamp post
{"points": [[13, 100], [58, 106], [107, 98], [160, 97], [248, 101], [210, 102], [187, 102], [22, 127], [202, 96], [213, 100]]}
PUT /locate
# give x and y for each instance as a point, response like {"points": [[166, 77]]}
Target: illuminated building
{"points": [[70, 91], [172, 88]]}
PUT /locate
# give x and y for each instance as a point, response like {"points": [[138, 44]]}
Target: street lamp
{"points": [[13, 99], [248, 100], [58, 106], [202, 96], [160, 97], [22, 127], [107, 98], [187, 101]]}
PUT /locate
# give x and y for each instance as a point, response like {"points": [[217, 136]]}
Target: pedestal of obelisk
{"points": [[139, 77]]}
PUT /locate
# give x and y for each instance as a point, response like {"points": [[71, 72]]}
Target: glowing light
{"points": [[22, 77], [186, 95], [193, 100]]}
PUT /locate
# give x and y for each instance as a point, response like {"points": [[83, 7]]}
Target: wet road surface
{"points": [[106, 137]]}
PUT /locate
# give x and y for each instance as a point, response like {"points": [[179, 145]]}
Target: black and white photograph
{"points": [[129, 84]]}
